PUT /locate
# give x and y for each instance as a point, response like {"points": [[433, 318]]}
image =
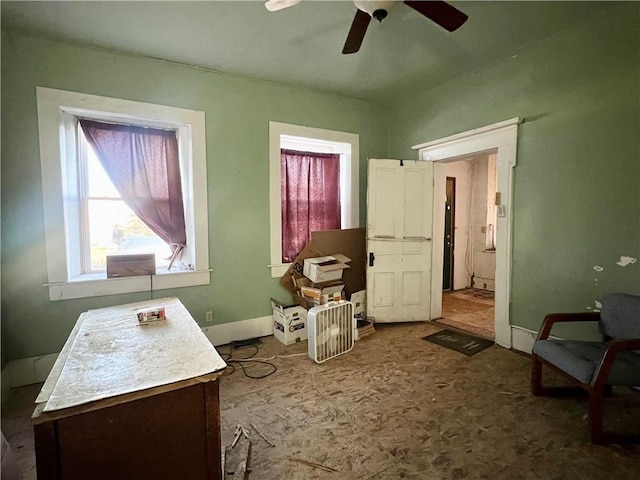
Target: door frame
{"points": [[452, 240], [500, 137]]}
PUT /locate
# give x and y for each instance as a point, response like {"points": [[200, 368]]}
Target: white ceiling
{"points": [[302, 45]]}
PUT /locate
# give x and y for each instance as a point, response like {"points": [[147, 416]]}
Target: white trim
{"points": [[113, 286], [26, 371], [57, 133], [522, 339], [349, 177], [469, 133], [501, 137], [242, 330]]}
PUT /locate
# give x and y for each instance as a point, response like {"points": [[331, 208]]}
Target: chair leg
{"points": [[596, 399], [536, 375]]}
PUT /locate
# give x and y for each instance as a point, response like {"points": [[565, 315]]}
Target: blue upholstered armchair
{"points": [[594, 366]]}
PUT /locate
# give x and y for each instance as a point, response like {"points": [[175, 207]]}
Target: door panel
{"points": [[383, 289], [399, 200], [414, 221], [411, 292], [412, 248], [384, 219]]}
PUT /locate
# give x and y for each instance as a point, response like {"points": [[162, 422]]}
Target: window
{"points": [[84, 214], [107, 224], [310, 197], [305, 139]]}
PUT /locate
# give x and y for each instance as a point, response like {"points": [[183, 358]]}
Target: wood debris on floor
{"points": [[237, 456]]}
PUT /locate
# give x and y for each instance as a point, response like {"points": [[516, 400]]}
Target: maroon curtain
{"points": [[144, 167], [310, 197]]}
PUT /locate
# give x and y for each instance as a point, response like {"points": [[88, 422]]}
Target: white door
{"points": [[399, 224]]}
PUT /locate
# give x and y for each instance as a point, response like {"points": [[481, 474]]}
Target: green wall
{"points": [[237, 114], [577, 179]]}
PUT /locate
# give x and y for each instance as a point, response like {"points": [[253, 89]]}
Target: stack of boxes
{"points": [[321, 283], [322, 280]]}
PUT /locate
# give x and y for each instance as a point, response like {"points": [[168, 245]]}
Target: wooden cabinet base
{"points": [[130, 401], [170, 435]]}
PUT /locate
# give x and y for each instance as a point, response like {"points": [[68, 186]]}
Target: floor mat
{"points": [[467, 344]]}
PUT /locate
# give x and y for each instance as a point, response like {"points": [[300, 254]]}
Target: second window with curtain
{"points": [[310, 197]]}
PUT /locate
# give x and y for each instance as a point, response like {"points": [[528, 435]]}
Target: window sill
{"points": [[96, 285], [279, 270]]}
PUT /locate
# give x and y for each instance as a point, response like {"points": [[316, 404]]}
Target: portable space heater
{"points": [[331, 330]]}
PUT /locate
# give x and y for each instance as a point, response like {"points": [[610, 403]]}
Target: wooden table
{"points": [[129, 401]]}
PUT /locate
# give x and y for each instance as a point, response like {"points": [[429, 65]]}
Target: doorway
{"points": [[471, 310], [469, 243], [502, 138]]}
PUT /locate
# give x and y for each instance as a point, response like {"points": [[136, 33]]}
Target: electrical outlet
{"points": [[208, 317]]}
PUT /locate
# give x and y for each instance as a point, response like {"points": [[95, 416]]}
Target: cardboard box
{"points": [[305, 302], [131, 265], [350, 242], [289, 322], [359, 300], [325, 269], [364, 328], [324, 294], [148, 315]]}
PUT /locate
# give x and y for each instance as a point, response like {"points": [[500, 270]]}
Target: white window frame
{"points": [[284, 135], [58, 111]]}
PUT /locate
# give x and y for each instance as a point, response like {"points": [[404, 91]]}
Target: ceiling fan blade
{"points": [[445, 15], [357, 31], [275, 5]]}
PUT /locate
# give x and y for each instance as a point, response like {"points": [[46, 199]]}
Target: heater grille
{"points": [[331, 330]]}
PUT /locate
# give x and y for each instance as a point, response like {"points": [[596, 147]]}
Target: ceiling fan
{"points": [[440, 12]]}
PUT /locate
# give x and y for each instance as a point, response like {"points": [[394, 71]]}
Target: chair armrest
{"points": [[622, 344], [612, 348], [552, 318]]}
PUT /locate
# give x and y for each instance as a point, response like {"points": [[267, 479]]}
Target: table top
{"points": [[109, 354]]}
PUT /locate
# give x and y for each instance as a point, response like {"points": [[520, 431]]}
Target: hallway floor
{"points": [[471, 310]]}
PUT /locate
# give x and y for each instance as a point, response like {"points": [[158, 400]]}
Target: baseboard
{"points": [[27, 371], [242, 330], [484, 283], [522, 339]]}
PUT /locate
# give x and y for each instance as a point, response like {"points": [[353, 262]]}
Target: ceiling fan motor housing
{"points": [[380, 15], [377, 9]]}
